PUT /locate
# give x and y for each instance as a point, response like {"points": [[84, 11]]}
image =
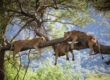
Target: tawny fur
{"points": [[62, 49], [18, 45], [81, 37]]}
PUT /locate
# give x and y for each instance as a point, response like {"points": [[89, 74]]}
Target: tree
{"points": [[32, 15]]}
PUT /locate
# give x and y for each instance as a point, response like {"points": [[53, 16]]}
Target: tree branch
{"points": [[21, 29], [103, 49], [24, 14]]}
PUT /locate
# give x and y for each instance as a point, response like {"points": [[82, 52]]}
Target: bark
{"points": [[103, 48], [2, 75]]}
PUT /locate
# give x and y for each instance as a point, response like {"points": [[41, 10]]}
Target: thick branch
{"points": [[103, 49]]}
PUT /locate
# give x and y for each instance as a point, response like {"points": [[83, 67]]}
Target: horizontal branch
{"points": [[103, 49]]}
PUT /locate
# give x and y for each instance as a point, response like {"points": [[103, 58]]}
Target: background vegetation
{"points": [[49, 17]]}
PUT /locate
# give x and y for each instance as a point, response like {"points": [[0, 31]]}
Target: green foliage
{"points": [[48, 71], [107, 14], [57, 31], [11, 71], [71, 17], [97, 77]]}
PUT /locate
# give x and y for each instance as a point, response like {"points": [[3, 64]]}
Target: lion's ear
{"points": [[43, 38]]}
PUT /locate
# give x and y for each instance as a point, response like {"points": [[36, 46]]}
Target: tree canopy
{"points": [[40, 15]]}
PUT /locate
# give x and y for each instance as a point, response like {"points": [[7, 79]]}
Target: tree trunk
{"points": [[2, 74]]}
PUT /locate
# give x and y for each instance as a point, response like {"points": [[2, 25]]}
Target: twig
{"points": [[21, 29], [28, 64], [17, 75], [20, 5], [11, 62]]}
